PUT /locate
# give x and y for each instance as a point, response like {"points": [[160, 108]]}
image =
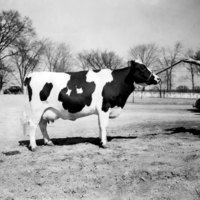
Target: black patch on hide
{"points": [[27, 84], [75, 102], [45, 92], [117, 91]]}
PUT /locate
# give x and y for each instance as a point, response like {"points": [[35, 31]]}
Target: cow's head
{"points": [[142, 75]]}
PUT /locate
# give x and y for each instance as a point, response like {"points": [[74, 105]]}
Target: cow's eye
{"points": [[143, 68]]}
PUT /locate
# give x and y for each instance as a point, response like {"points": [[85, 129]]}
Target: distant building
{"points": [[181, 76]]}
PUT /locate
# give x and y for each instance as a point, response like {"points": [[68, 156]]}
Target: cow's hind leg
{"points": [[103, 118], [43, 128], [34, 121], [32, 130]]}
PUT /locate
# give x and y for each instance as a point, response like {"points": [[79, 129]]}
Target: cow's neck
{"points": [[120, 88], [124, 77]]}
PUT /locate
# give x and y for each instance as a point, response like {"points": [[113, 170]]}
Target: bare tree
{"points": [[58, 57], [96, 59], [12, 27], [147, 53], [170, 57], [26, 58], [4, 72]]}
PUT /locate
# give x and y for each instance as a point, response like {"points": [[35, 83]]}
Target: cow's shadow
{"points": [[75, 140], [182, 130]]}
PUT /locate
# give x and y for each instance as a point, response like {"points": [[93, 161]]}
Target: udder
{"points": [[115, 112], [50, 115]]}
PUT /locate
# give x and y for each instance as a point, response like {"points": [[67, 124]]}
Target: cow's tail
{"points": [[24, 122], [26, 112]]}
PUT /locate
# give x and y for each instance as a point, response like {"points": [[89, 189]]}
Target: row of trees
{"points": [[22, 52], [158, 58]]}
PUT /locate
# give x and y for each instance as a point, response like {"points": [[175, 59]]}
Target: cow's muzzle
{"points": [[157, 79], [154, 79]]}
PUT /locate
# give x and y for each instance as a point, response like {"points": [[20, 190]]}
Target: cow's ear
{"points": [[131, 63]]}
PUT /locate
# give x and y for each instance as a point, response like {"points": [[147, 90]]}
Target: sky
{"points": [[114, 25]]}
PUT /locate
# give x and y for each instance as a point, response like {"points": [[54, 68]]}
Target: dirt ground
{"points": [[154, 153]]}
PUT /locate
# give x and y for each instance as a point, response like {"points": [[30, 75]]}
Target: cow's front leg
{"points": [[103, 118], [43, 128]]}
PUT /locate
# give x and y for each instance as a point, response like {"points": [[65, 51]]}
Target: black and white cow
{"points": [[77, 94]]}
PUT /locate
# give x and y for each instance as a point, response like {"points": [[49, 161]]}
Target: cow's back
{"points": [[67, 95]]}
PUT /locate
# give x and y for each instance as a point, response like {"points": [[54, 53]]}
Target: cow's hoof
{"points": [[104, 146], [49, 143], [33, 149]]}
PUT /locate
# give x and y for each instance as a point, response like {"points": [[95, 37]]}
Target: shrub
{"points": [[182, 88], [197, 104], [197, 89]]}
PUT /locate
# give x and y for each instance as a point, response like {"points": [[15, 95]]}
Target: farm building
{"points": [[185, 77], [182, 77]]}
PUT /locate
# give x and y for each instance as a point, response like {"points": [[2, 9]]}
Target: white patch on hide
{"points": [[68, 92], [79, 90], [139, 61], [103, 76], [156, 78], [100, 79]]}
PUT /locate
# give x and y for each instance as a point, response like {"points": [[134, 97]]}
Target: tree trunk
{"points": [[167, 80], [170, 79], [1, 83], [193, 86], [192, 77], [160, 89], [22, 86]]}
